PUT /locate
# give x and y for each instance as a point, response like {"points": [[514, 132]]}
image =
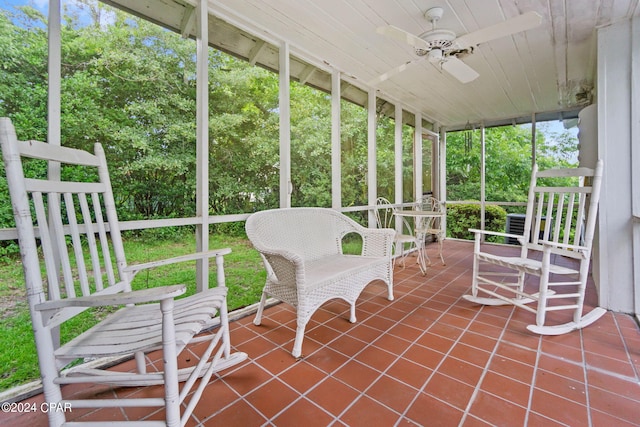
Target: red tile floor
{"points": [[428, 358]]}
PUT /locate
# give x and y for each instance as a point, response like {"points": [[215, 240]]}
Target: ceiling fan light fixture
{"points": [[435, 56]]}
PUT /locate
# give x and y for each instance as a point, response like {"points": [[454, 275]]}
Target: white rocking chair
{"points": [[559, 226], [79, 249]]}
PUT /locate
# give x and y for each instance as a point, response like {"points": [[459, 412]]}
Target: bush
{"points": [[462, 217]]}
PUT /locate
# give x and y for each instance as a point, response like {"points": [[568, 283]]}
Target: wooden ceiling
{"points": [[548, 71]]}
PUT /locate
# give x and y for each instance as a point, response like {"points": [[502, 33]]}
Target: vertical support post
{"points": [[533, 139], [442, 168], [372, 166], [418, 160], [398, 154], [483, 164], [202, 143], [336, 152], [285, 127], [54, 67]]}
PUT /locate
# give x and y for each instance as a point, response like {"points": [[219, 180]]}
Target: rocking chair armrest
{"points": [[120, 298], [496, 233], [566, 246], [135, 269]]}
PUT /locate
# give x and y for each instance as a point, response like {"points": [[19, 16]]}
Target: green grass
{"points": [[244, 275]]}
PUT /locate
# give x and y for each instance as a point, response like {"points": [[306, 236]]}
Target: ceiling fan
{"points": [[443, 48]]}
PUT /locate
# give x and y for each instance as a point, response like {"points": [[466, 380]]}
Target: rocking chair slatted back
{"points": [[76, 209]]}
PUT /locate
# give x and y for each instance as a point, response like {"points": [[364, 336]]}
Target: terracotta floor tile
{"points": [[333, 395], [423, 356], [366, 412], [357, 375], [326, 359], [409, 373], [558, 349], [497, 411], [272, 397], [620, 367], [302, 376], [376, 358], [614, 404], [478, 341], [436, 342], [562, 367], [506, 388], [602, 419], [512, 369], [301, 410], [561, 386], [627, 387], [428, 358], [426, 410], [470, 354], [463, 371], [449, 390], [559, 409], [392, 393]]}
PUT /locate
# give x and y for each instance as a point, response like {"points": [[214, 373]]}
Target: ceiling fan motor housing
{"points": [[436, 39]]}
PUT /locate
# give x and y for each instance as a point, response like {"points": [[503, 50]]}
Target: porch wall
{"points": [[617, 250]]}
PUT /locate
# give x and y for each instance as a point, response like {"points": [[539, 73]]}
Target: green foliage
{"points": [[462, 217], [244, 274], [508, 161]]}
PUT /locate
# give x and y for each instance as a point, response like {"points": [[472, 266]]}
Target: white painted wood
{"points": [[147, 320], [571, 214], [372, 164], [202, 141], [539, 70], [285, 127], [397, 145], [336, 143], [614, 269]]}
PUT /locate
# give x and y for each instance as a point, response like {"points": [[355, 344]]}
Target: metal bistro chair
{"points": [[85, 268], [404, 241], [556, 247], [432, 225]]}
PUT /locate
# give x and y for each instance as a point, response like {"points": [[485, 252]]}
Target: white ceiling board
{"points": [[537, 71]]}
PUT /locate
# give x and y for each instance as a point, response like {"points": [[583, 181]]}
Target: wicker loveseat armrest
{"points": [[283, 266], [377, 241]]}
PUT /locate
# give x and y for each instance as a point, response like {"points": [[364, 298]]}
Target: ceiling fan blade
{"points": [[514, 25], [401, 35], [393, 72], [459, 69]]}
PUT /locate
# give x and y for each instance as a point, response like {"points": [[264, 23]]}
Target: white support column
{"points": [[372, 166], [54, 80], [533, 140], [442, 170], [285, 127], [202, 142], [483, 165], [54, 65], [336, 151], [617, 243], [398, 154], [418, 161]]}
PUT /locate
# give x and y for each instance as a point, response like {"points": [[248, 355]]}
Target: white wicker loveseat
{"points": [[302, 252]]}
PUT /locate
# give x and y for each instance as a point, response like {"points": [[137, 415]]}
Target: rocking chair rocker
{"points": [[559, 225]]}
